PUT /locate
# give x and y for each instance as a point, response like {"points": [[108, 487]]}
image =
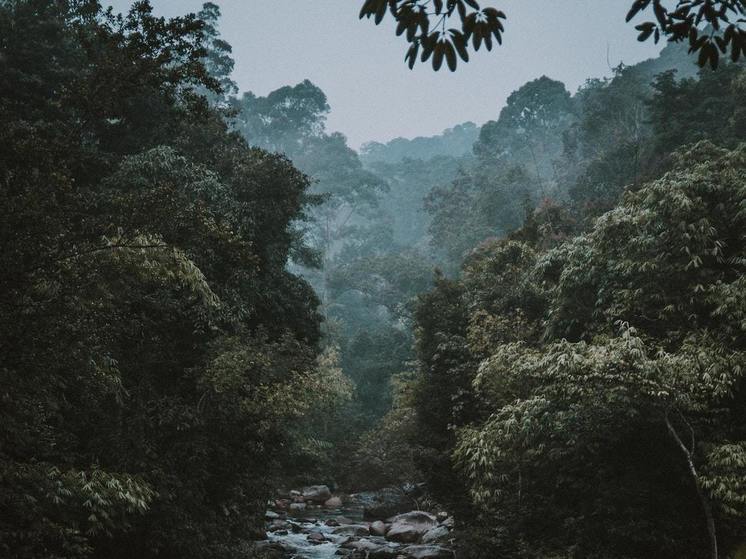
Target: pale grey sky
{"points": [[372, 93]]}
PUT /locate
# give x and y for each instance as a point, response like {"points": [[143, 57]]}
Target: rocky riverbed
{"points": [[312, 523]]}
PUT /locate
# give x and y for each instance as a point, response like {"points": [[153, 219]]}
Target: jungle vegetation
{"points": [[206, 295]]}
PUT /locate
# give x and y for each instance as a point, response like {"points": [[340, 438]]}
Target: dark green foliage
{"points": [[686, 111], [164, 276], [724, 18], [424, 26], [628, 125], [155, 353], [569, 380]]}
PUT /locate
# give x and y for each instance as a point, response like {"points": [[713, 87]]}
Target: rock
{"points": [[331, 522], [333, 503], [410, 527], [282, 504], [448, 522], [351, 530], [316, 493], [271, 515], [441, 516], [316, 538], [344, 520], [378, 528], [369, 550], [435, 534], [297, 507], [427, 552], [295, 493], [277, 525]]}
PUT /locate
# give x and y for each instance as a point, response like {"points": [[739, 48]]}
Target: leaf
{"points": [[439, 51], [450, 56], [411, 56], [636, 7], [459, 41], [660, 14], [646, 29]]}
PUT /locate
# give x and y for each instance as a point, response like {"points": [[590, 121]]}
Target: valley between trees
{"points": [[226, 334]]}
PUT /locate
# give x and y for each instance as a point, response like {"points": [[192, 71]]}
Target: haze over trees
{"points": [[206, 296]]}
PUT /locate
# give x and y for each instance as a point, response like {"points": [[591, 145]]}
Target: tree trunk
{"points": [[705, 502]]}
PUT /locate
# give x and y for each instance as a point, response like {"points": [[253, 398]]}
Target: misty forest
{"points": [[227, 334]]}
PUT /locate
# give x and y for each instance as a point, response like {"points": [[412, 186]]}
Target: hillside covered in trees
{"points": [[533, 328]]}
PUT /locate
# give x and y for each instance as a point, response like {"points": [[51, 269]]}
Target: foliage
{"points": [[682, 23], [530, 128], [426, 30], [452, 142], [584, 378], [486, 200], [155, 353], [424, 27]]}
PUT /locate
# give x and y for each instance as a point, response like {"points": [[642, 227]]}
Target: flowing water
{"points": [[317, 533], [314, 520]]}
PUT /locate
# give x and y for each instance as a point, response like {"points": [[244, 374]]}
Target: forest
{"points": [[227, 334]]}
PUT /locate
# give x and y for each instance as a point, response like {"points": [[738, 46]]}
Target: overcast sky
{"points": [[374, 95]]}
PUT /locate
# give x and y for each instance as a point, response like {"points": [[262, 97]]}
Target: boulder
{"points": [[378, 528], [410, 527], [351, 530], [271, 515], [427, 552], [316, 538], [370, 550], [297, 507], [435, 534], [333, 503], [317, 493], [277, 524]]}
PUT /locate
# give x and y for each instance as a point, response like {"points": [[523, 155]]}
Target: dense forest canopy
{"points": [[535, 327]]}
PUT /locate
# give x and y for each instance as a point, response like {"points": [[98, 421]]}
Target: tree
{"points": [[218, 62], [155, 352], [530, 128], [601, 374]]}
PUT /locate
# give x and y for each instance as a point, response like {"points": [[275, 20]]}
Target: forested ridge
{"points": [[535, 327]]}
